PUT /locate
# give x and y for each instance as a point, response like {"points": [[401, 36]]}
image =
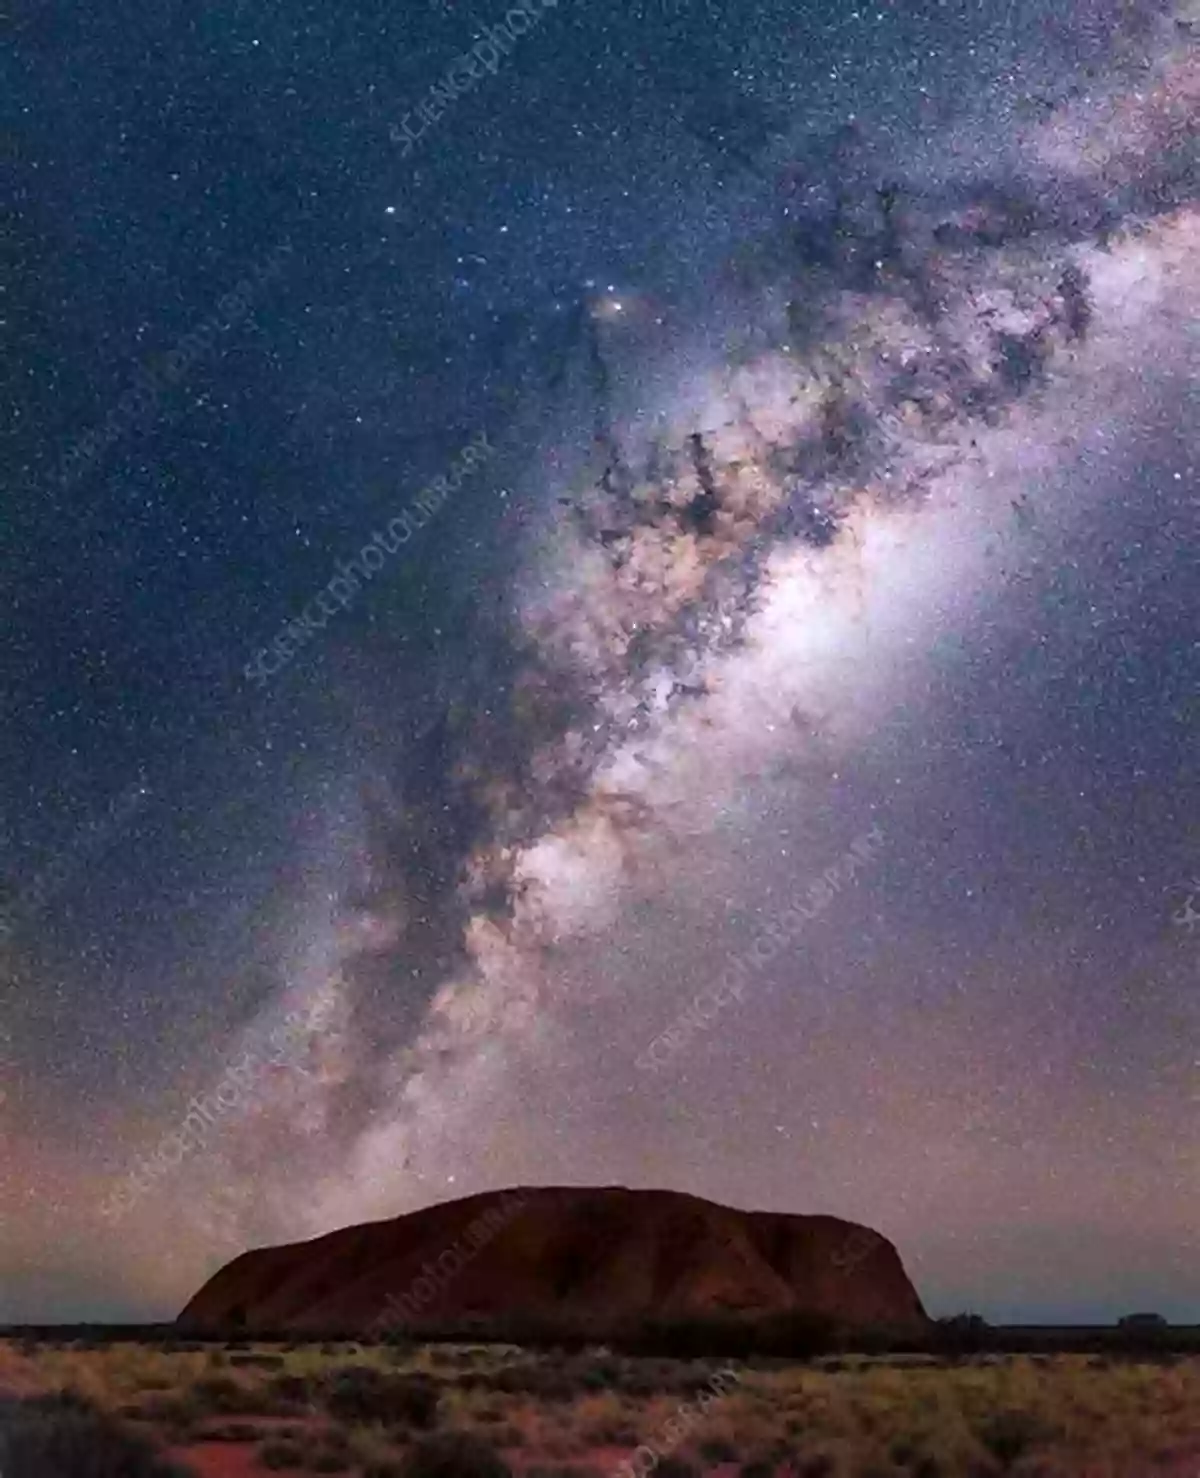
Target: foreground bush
{"points": [[64, 1436], [280, 1452], [453, 1455], [362, 1393]]}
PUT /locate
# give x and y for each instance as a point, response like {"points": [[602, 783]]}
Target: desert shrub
{"points": [[232, 1432], [454, 1455], [690, 1381], [356, 1393], [224, 1395], [757, 1468], [156, 1383], [1141, 1339], [716, 1450], [676, 1467], [65, 1436], [259, 1361], [165, 1409], [603, 1421], [363, 1393], [1010, 1434], [330, 1460], [543, 1382], [640, 1379], [562, 1470], [551, 1383], [280, 1452], [598, 1375], [290, 1391], [508, 1434], [963, 1334]]}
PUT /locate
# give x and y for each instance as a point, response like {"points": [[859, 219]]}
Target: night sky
{"points": [[776, 430]]}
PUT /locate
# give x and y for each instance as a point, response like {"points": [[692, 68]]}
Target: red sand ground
{"points": [[223, 1460], [231, 1460]]}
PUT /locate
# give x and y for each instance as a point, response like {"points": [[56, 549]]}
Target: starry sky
{"points": [[773, 426]]}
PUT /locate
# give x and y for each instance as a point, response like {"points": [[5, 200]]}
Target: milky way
{"points": [[816, 542], [744, 588]]}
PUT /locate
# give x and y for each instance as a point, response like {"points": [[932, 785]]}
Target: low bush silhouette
{"points": [[454, 1455], [962, 1334], [1010, 1433], [222, 1395], [289, 1392], [1143, 1334], [364, 1393], [259, 1361], [674, 1466], [65, 1436], [280, 1452]]}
